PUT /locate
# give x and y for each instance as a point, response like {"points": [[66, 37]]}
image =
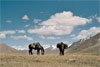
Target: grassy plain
{"points": [[50, 60]]}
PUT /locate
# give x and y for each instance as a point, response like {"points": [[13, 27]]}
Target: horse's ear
{"points": [[42, 51]]}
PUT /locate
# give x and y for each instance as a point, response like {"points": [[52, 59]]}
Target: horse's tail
{"points": [[58, 45], [29, 46]]}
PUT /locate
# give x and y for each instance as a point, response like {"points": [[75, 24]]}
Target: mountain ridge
{"points": [[91, 45]]}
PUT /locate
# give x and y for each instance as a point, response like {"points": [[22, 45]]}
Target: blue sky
{"points": [[24, 22]]}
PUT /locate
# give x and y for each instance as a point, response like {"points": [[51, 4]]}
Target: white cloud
{"points": [[73, 35], [87, 33], [25, 17], [22, 37], [98, 18], [4, 33], [26, 25], [9, 21], [24, 47], [2, 36], [50, 37], [12, 31], [36, 20], [60, 24], [43, 37], [21, 31], [53, 37], [8, 32]]}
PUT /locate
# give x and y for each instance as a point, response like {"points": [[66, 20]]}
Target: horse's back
{"points": [[31, 46]]}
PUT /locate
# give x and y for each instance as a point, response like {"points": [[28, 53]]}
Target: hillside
{"points": [[7, 49], [91, 45]]}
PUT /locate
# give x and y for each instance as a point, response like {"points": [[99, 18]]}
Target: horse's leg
{"points": [[63, 52], [60, 51], [31, 52], [38, 51], [42, 52]]}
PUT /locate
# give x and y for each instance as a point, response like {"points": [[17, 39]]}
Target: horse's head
{"points": [[42, 51], [62, 45]]}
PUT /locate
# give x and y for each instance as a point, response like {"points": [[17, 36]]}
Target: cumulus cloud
{"points": [[98, 18], [87, 33], [22, 37], [12, 31], [60, 24], [4, 33], [8, 32], [36, 20], [21, 31], [2, 36], [9, 21], [25, 17]]}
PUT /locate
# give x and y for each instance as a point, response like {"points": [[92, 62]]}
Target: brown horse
{"points": [[61, 47], [36, 46]]}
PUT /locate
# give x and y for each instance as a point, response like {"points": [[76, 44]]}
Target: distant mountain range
{"points": [[51, 49], [91, 45], [7, 49]]}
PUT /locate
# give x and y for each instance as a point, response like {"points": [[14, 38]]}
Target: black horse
{"points": [[61, 47], [36, 46]]}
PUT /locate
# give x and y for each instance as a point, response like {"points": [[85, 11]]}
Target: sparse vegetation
{"points": [[49, 60]]}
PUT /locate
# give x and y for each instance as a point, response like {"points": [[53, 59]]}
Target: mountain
{"points": [[51, 49], [91, 45], [7, 49]]}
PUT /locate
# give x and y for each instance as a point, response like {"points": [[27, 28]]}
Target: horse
{"points": [[36, 46], [61, 47]]}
